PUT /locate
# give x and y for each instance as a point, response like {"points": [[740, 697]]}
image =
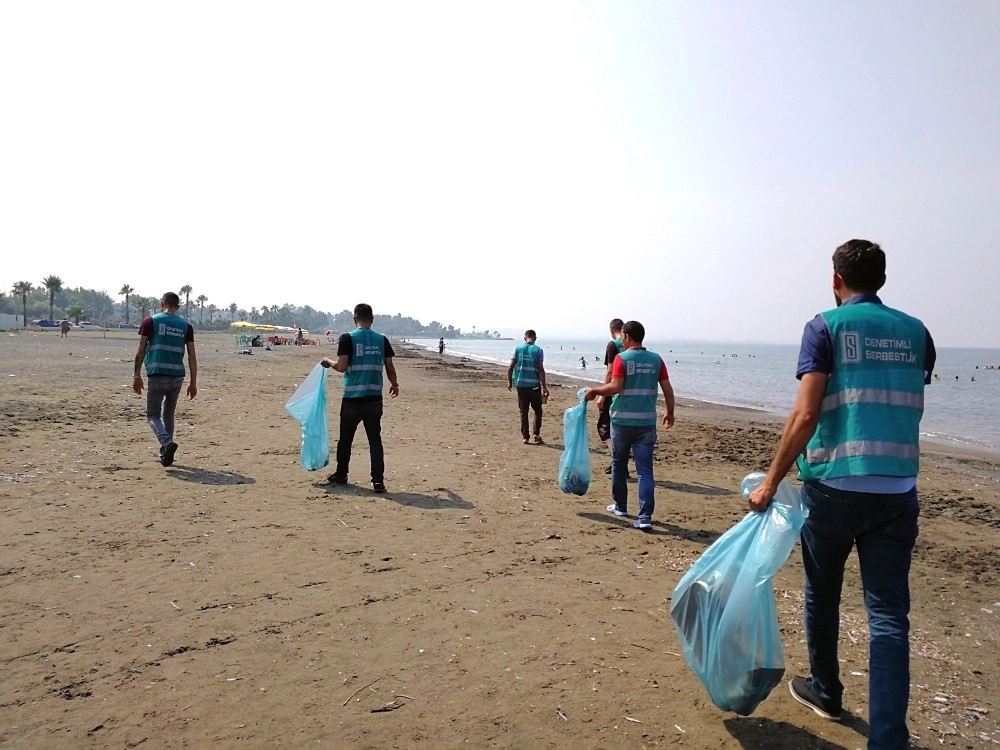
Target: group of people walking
{"points": [[853, 434]]}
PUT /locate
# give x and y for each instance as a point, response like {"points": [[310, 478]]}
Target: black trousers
{"points": [[530, 397], [353, 412]]}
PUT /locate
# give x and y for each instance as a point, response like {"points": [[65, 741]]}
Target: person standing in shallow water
{"points": [[163, 340], [441, 346], [361, 356], [855, 433], [526, 372]]}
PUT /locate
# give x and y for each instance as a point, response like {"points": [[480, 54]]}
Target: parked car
{"points": [[129, 325], [45, 323], [86, 325]]}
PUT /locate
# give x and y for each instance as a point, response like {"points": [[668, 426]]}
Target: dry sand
{"points": [[236, 600]]}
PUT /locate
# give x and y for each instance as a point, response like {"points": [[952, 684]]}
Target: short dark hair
{"points": [[616, 324], [635, 331], [364, 312], [530, 334], [170, 299], [861, 264]]}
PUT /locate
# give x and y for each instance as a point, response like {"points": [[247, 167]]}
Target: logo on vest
{"points": [[850, 348]]}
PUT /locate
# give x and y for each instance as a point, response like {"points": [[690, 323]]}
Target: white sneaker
{"points": [[615, 511]]}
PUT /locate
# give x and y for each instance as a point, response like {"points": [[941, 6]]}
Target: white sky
{"points": [[507, 165]]}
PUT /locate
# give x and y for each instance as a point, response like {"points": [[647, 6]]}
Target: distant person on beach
{"points": [[441, 346], [64, 329], [611, 350], [163, 339], [583, 363], [855, 433], [526, 372], [635, 375], [361, 356]]}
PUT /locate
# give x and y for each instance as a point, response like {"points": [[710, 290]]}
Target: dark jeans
{"points": [[884, 530], [638, 441], [162, 393], [530, 397], [353, 412]]}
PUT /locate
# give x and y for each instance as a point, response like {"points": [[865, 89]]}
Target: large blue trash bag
{"points": [[574, 466], [724, 608], [308, 406]]}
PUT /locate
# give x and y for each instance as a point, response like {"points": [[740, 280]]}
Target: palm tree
{"points": [[126, 290], [232, 312], [201, 300], [75, 312], [23, 289], [53, 284], [186, 291]]}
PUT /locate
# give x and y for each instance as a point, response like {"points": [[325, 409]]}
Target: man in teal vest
{"points": [[526, 372], [361, 356], [611, 350], [854, 432], [163, 339], [635, 375]]}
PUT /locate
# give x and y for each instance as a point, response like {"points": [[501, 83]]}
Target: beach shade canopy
{"points": [[242, 324]]}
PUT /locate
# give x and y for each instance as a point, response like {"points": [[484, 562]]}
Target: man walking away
{"points": [[634, 377], [526, 372], [163, 339], [855, 432], [361, 356]]}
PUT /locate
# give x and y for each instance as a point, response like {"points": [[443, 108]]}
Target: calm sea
{"points": [[960, 407]]}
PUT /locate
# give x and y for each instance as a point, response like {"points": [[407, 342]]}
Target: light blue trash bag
{"points": [[574, 466], [308, 406], [724, 608]]}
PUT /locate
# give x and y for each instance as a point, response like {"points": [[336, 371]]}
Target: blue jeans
{"points": [[162, 393], [640, 441], [354, 411], [884, 529]]}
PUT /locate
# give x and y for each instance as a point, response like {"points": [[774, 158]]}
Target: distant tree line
{"points": [[51, 300]]}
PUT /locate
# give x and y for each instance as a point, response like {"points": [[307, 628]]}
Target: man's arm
{"points": [[192, 389], [798, 429], [390, 370], [541, 376], [608, 389], [510, 375], [668, 397], [140, 355]]}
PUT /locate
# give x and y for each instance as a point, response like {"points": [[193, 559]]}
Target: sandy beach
{"points": [[237, 600]]}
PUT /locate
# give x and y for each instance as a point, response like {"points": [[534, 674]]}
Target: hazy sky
{"points": [[506, 165]]}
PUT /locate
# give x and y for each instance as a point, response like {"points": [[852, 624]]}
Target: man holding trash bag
{"points": [[635, 374], [361, 355], [854, 431]]}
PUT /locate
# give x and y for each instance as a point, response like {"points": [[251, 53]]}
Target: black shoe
{"points": [[801, 689], [336, 479], [167, 453], [379, 487]]}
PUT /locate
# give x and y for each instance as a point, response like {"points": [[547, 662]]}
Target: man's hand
{"points": [[393, 391], [326, 362], [761, 497], [589, 395], [668, 420], [137, 384], [192, 391]]}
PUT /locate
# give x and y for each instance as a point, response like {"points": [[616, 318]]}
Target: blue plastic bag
{"points": [[308, 406], [724, 609], [574, 466]]}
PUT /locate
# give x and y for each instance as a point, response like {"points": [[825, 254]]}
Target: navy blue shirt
{"points": [[816, 351]]}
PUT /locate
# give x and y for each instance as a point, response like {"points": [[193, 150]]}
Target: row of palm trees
{"points": [[52, 284]]}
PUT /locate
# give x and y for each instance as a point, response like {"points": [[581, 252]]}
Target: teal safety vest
{"points": [[165, 348], [526, 358], [870, 418], [364, 374], [635, 405]]}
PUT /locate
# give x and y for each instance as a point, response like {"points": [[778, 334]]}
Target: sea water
{"points": [[961, 406]]}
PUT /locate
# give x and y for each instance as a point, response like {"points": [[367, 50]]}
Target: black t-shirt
{"points": [[610, 352]]}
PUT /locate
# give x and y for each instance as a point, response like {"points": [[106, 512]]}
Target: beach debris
{"points": [[635, 721], [390, 706], [561, 715], [677, 727], [360, 689]]}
